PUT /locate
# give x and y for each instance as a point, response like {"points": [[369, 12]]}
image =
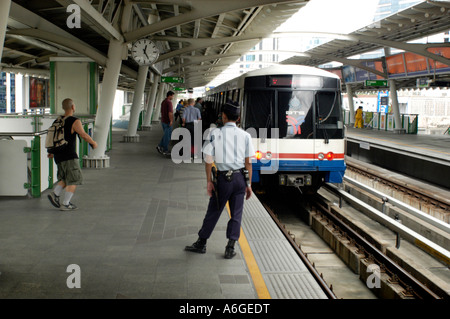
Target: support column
{"points": [[146, 125], [159, 98], [395, 109], [4, 14], [133, 123], [350, 103], [97, 157]]}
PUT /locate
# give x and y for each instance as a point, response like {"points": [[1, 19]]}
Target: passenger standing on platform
{"points": [[69, 172], [178, 108], [231, 148], [166, 122], [359, 117], [198, 104], [190, 115]]}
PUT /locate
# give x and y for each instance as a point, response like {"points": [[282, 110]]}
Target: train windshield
{"points": [[260, 106], [296, 113], [329, 123]]}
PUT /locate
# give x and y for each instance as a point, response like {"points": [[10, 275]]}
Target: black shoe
{"points": [[54, 200], [159, 149], [229, 250], [198, 247]]}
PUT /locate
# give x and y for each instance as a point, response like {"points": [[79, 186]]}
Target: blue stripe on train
{"points": [[334, 169]]}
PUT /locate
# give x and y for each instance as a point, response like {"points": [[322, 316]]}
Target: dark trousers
{"points": [[234, 193]]}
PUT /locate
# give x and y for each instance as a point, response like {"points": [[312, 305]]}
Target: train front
{"points": [[296, 122]]}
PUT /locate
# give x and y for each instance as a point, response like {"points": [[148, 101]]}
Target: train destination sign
{"points": [[172, 79], [375, 83]]}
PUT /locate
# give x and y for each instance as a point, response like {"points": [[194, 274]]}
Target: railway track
{"points": [[361, 251], [421, 195]]}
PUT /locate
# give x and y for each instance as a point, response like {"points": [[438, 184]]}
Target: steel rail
{"points": [[420, 290]]}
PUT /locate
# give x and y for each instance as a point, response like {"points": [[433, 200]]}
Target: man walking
{"points": [[69, 171], [231, 148], [166, 122], [190, 115]]}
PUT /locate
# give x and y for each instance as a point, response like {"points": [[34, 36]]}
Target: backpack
{"points": [[55, 142]]}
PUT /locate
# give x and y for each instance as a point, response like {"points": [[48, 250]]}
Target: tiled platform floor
{"points": [[127, 237]]}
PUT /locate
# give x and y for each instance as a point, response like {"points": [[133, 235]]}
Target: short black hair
{"points": [[170, 93], [231, 115]]}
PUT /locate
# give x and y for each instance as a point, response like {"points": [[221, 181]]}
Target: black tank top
{"points": [[70, 152]]}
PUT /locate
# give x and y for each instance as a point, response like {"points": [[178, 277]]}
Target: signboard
{"points": [[375, 83], [179, 89], [422, 83], [172, 79]]}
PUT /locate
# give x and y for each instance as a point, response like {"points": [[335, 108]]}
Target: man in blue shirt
{"points": [[190, 117], [231, 149]]}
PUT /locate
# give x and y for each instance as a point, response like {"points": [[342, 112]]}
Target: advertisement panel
{"points": [[38, 93], [415, 64], [439, 66], [395, 65]]}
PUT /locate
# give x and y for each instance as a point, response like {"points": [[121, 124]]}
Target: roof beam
{"points": [[96, 17], [201, 44], [200, 9]]}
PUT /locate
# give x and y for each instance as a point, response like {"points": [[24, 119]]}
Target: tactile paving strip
{"points": [[284, 273]]}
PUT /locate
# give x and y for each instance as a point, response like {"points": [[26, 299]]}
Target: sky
{"points": [[343, 16]]}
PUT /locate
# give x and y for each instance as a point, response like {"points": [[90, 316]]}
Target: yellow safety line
{"points": [[255, 273], [413, 146]]}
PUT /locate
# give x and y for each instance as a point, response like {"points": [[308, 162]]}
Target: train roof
{"points": [[291, 69], [274, 70]]}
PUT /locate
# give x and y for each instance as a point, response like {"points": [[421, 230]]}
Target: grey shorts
{"points": [[70, 172]]}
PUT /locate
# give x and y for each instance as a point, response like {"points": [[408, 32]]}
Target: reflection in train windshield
{"points": [[295, 114]]}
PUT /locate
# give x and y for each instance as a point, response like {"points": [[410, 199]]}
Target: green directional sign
{"points": [[375, 83], [179, 89], [172, 79]]}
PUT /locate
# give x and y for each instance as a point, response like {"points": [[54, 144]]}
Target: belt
{"points": [[234, 171]]}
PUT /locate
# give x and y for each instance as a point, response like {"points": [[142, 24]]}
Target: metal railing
{"points": [[34, 182]]}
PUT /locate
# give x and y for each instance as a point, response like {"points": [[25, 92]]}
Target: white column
{"points": [[350, 103], [136, 106], [160, 97], [106, 103], [8, 92], [151, 102], [395, 108], [26, 93], [4, 14]]}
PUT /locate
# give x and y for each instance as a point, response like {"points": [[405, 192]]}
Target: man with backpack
{"points": [[66, 158]]}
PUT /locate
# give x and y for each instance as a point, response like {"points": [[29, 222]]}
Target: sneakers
{"points": [[68, 207], [162, 152], [54, 200]]}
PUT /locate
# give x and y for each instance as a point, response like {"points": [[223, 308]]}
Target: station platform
{"points": [[129, 233], [425, 157]]}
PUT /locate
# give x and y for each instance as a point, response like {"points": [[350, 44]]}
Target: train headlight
{"points": [[268, 155], [258, 155], [330, 156], [321, 156]]}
